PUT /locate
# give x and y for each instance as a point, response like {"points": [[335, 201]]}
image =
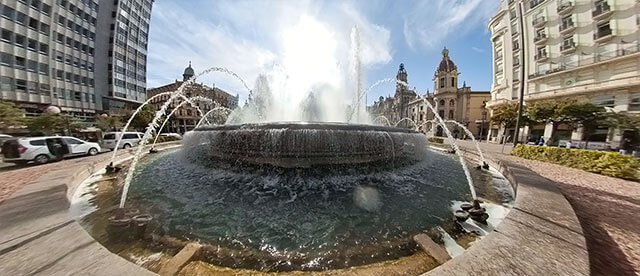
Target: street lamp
{"points": [[523, 81]]}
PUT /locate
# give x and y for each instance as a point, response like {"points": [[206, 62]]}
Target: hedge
{"points": [[602, 162], [436, 140], [163, 139]]}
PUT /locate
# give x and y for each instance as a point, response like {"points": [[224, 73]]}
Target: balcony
{"points": [[568, 47], [602, 35], [567, 27], [539, 22], [601, 11], [540, 39], [565, 7], [541, 56]]}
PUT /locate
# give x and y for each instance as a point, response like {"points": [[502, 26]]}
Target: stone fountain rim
{"points": [[300, 125], [68, 178]]}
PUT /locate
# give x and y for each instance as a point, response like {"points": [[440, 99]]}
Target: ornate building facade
{"points": [[587, 50], [187, 116], [397, 107], [453, 103]]}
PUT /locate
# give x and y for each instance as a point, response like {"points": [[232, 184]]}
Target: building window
{"points": [[7, 35], [451, 114], [21, 85], [567, 22], [6, 59], [21, 62], [452, 103], [567, 43], [32, 65], [604, 101], [541, 52], [442, 82], [453, 82], [6, 84], [33, 87], [604, 29], [634, 102], [441, 103]]}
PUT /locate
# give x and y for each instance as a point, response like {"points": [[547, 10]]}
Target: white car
{"points": [[129, 139], [44, 149]]}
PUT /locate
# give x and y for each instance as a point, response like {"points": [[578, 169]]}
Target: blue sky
{"points": [[310, 41]]}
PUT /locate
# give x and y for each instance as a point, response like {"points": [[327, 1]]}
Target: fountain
{"points": [[296, 186]]}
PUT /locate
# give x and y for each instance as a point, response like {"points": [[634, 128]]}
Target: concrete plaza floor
{"points": [[607, 208]]}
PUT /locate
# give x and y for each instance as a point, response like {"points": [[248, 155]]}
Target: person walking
{"points": [[569, 144], [541, 141]]}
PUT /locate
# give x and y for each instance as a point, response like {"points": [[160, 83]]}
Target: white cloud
{"points": [[429, 22], [479, 50], [247, 37]]}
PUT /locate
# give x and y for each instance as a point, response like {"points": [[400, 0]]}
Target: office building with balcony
{"points": [[121, 54], [47, 50], [581, 49]]}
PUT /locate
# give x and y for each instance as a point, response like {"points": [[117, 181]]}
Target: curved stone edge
{"points": [[541, 235], [38, 235]]}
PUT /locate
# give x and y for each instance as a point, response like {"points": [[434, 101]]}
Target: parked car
{"points": [[3, 138], [129, 139], [44, 149]]}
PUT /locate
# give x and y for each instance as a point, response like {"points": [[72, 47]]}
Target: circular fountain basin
{"points": [[345, 207], [296, 144]]}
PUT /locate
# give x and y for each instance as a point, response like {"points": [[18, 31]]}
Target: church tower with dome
{"points": [[452, 103]]}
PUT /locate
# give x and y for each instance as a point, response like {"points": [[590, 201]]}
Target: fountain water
{"points": [[382, 117], [360, 95], [115, 150], [477, 144], [190, 102], [455, 148], [408, 120], [473, 138], [215, 109], [153, 124]]}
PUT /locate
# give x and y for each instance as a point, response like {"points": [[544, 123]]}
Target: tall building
{"points": [[581, 49], [187, 116], [454, 103], [121, 54], [47, 53]]}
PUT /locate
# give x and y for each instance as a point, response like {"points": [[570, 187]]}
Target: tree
{"points": [[109, 123], [143, 118], [505, 115], [10, 115], [48, 124], [587, 115], [554, 111]]}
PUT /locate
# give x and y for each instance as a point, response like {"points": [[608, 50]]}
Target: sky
{"points": [[309, 43]]}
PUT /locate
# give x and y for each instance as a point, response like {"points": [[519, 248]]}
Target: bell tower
{"points": [[445, 79]]}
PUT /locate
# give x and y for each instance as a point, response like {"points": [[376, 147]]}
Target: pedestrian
{"points": [[569, 144], [541, 141]]}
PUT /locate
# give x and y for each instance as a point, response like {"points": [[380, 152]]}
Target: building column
{"points": [[548, 131]]}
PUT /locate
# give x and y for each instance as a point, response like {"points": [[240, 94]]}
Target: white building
{"points": [[47, 52], [583, 49]]}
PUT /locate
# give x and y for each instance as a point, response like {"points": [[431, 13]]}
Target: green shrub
{"points": [[602, 162], [437, 140], [163, 139]]}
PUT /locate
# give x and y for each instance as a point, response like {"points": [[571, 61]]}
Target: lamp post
{"points": [[523, 81]]}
